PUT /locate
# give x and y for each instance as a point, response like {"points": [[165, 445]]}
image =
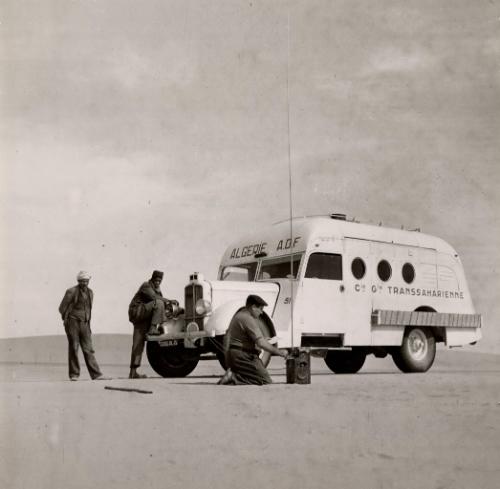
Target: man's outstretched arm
{"points": [[265, 345]]}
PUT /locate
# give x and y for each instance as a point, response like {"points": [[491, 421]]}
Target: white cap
{"points": [[83, 276]]}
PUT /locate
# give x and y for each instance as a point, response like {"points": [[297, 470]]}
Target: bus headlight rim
{"points": [[203, 307]]}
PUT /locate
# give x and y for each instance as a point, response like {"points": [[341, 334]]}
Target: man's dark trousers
{"points": [[79, 334], [144, 316], [247, 367]]}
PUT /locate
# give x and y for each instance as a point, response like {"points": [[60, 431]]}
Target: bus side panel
{"points": [[451, 277], [387, 335], [462, 336]]}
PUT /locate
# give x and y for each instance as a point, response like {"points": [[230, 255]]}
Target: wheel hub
{"points": [[417, 343]]}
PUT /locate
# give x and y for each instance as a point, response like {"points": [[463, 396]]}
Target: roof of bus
{"points": [[309, 228]]}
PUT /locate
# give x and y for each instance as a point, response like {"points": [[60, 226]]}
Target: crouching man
{"points": [[244, 341], [146, 312]]}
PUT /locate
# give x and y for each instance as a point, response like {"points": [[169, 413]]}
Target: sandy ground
{"points": [[376, 429]]}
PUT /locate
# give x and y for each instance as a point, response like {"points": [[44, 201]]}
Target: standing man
{"points": [[147, 312], [243, 344], [76, 309]]}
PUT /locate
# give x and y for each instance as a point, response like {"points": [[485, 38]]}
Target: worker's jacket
{"points": [[69, 301], [146, 293]]}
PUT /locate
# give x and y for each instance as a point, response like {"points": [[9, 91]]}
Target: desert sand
{"points": [[375, 429]]}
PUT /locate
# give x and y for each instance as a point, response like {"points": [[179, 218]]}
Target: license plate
{"points": [[168, 343]]}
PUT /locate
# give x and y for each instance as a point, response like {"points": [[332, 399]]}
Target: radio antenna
{"points": [[289, 172]]}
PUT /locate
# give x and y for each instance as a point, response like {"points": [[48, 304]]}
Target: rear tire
{"points": [[417, 352], [345, 361], [171, 361]]}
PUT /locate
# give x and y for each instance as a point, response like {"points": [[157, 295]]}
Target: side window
{"points": [[384, 270], [280, 267], [358, 268], [324, 266], [240, 273], [408, 273]]}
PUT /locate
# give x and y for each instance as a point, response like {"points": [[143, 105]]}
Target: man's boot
{"points": [[153, 330], [135, 375], [227, 378]]}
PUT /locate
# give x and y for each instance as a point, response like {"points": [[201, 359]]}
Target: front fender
{"points": [[219, 320]]}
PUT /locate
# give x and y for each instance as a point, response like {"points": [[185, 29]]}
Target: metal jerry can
{"points": [[298, 366]]}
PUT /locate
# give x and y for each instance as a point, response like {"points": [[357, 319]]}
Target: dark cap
{"points": [[255, 300], [157, 274]]}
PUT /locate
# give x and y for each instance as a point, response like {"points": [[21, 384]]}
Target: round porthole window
{"points": [[384, 270], [358, 268], [408, 273]]}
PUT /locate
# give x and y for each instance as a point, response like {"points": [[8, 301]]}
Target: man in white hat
{"points": [[76, 310]]}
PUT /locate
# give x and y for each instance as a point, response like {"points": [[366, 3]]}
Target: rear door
{"points": [[322, 304]]}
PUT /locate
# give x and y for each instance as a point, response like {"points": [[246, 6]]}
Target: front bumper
{"points": [[185, 335]]}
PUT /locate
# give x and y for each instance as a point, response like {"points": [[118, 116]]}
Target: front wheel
{"points": [[265, 356], [417, 352], [171, 361], [345, 361], [218, 345], [218, 349]]}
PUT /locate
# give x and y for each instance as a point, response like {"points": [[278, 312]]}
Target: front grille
{"points": [[192, 293]]}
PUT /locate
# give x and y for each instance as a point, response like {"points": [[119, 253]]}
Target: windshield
{"points": [[280, 267], [241, 273]]}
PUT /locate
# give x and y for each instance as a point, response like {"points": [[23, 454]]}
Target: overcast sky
{"points": [[143, 135]]}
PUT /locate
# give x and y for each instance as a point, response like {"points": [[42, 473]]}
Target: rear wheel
{"points": [[345, 361], [417, 352], [171, 361]]}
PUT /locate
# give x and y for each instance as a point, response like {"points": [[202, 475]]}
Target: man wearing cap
{"points": [[76, 310], [244, 340], [146, 312]]}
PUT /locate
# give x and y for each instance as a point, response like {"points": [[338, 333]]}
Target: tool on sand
{"points": [[127, 389]]}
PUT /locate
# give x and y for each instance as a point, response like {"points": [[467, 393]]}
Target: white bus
{"points": [[341, 288]]}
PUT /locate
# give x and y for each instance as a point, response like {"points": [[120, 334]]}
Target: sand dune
{"points": [[110, 349]]}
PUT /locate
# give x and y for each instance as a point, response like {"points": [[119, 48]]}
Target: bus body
{"points": [[341, 288]]}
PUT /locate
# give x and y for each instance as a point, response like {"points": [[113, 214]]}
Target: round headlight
{"points": [[202, 307]]}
